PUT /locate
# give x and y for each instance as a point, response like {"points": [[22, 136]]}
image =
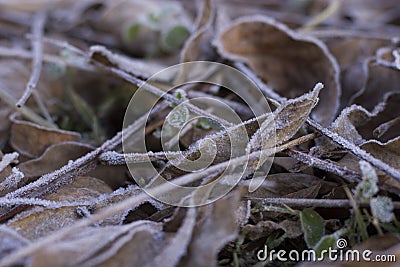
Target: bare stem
{"points": [[315, 203], [37, 31]]}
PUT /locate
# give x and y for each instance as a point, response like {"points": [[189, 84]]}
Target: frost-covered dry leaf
{"points": [[32, 140], [38, 222], [54, 157], [289, 62], [129, 245], [216, 225], [285, 121]]}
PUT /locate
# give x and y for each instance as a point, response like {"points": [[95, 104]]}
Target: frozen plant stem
{"points": [[114, 158], [342, 142], [27, 112], [7, 159], [315, 203], [37, 50]]}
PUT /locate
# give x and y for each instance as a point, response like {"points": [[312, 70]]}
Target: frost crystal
{"points": [[382, 208], [13, 179], [367, 188], [7, 159]]}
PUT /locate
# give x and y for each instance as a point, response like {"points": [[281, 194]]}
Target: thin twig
{"points": [[27, 112], [114, 158], [314, 203], [43, 108], [330, 10], [37, 50], [325, 165]]}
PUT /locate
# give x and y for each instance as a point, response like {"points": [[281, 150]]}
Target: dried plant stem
{"points": [[325, 165], [37, 31], [43, 108], [7, 159], [27, 112], [362, 154], [315, 203], [42, 202], [25, 54], [331, 9], [114, 158]]}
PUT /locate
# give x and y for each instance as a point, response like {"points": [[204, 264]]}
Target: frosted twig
{"points": [[27, 112], [43, 108], [325, 165], [4, 201], [12, 180], [37, 31], [25, 54], [114, 158], [362, 154], [321, 203], [342, 142], [7, 159]]}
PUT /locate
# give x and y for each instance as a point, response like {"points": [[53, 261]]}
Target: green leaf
{"points": [[312, 225], [326, 242], [132, 32], [175, 37]]}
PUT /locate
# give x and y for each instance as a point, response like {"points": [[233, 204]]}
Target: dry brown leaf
{"points": [[260, 230], [285, 121], [38, 222], [10, 240], [351, 61], [379, 81], [216, 225], [55, 156], [357, 124], [289, 62], [265, 228], [129, 245], [198, 45], [32, 140]]}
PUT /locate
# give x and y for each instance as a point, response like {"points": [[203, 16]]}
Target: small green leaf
{"points": [[326, 242], [312, 225], [175, 37], [132, 32]]}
